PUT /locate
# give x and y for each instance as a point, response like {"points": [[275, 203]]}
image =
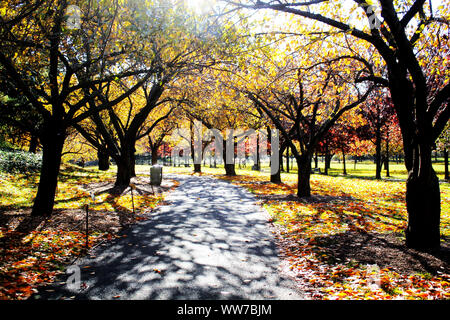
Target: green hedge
{"points": [[13, 161]]}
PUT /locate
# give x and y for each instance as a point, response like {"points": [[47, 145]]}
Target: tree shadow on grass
{"points": [[385, 250], [315, 198]]}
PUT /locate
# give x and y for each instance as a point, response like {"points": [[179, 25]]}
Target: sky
{"points": [[204, 5], [201, 5]]}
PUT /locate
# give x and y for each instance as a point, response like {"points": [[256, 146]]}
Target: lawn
{"points": [[347, 240]]}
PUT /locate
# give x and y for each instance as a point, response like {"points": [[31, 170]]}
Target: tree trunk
{"points": [[52, 146], [133, 162], [276, 178], [304, 174], [386, 164], [124, 172], [422, 201], [446, 176], [230, 170], [154, 156], [343, 162], [125, 165], [34, 142], [229, 167], [327, 159], [378, 153], [195, 157], [257, 165], [316, 161], [197, 167], [103, 161], [282, 164], [422, 185], [287, 160]]}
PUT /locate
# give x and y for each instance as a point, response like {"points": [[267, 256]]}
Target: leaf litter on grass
{"points": [[34, 250], [346, 241]]}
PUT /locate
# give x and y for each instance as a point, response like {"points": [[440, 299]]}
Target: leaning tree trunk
{"points": [[52, 146], [304, 174], [422, 201]]}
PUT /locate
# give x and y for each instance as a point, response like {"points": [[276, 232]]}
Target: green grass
{"points": [[18, 190], [363, 174], [365, 169]]}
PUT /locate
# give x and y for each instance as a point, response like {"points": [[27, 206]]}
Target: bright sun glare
{"points": [[199, 5]]}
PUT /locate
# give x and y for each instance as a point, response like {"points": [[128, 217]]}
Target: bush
{"points": [[5, 145], [13, 161]]}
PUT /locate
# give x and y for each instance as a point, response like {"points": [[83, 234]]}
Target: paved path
{"points": [[210, 242]]}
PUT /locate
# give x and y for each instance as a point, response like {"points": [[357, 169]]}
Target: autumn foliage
{"points": [[334, 244], [34, 251]]}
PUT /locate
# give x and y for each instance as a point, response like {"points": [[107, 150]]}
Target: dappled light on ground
{"points": [[347, 241], [210, 241], [33, 250]]}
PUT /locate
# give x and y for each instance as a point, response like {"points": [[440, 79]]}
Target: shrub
{"points": [[13, 161]]}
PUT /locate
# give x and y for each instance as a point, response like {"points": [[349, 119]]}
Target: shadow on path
{"points": [[210, 242]]}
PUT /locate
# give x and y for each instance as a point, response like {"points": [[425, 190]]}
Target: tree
{"points": [[178, 45], [158, 128], [422, 113], [43, 59], [22, 122], [340, 139], [304, 99], [379, 114], [114, 132], [221, 110]]}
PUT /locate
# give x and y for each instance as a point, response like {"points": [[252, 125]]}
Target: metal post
{"points": [[132, 187], [87, 226]]}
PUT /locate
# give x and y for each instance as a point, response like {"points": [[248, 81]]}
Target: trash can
{"points": [[155, 175]]}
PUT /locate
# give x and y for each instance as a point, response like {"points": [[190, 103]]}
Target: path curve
{"points": [[211, 241]]}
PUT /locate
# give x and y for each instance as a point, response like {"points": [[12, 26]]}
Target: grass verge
{"points": [[34, 250]]}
